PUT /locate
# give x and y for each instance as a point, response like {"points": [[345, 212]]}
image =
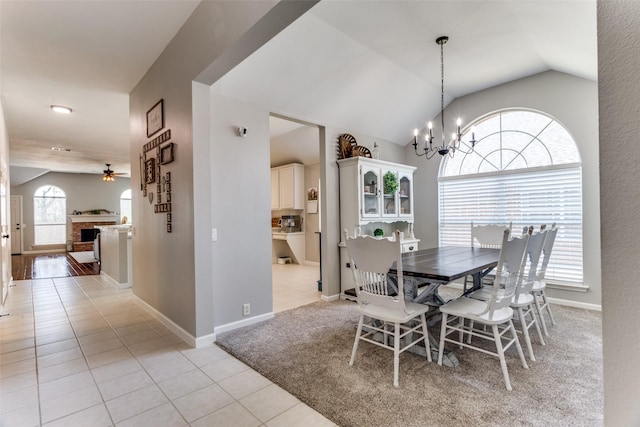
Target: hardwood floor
{"points": [[45, 266]]}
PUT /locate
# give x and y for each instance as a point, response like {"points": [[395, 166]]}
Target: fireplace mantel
{"points": [[93, 218], [75, 223]]}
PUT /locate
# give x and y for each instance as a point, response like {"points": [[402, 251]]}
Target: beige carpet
{"points": [[306, 351]]}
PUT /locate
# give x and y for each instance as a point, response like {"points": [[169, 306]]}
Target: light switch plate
{"points": [[214, 234]]}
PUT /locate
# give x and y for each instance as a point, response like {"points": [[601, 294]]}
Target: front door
{"points": [[16, 225]]}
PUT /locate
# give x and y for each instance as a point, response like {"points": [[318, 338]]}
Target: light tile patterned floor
{"points": [[79, 351], [294, 285]]}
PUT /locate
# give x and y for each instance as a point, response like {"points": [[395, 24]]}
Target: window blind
{"points": [[524, 197]]}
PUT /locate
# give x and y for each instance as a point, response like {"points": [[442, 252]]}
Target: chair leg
{"points": [[503, 362], [514, 335], [537, 323], [355, 343], [396, 353], [443, 331], [461, 332], [470, 329], [525, 332], [425, 334], [540, 316], [548, 307]]}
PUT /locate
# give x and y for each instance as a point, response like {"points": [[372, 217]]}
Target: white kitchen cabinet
{"points": [[275, 189], [287, 187], [362, 196]]}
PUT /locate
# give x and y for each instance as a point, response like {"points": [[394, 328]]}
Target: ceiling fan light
{"points": [[61, 109]]}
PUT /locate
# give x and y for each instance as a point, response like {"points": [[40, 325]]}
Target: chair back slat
{"points": [[371, 259], [532, 255], [546, 252], [508, 271], [488, 235]]}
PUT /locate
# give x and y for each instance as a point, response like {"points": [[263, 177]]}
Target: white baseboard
{"points": [[114, 281], [576, 304], [312, 263], [330, 298], [184, 335], [45, 251], [242, 323]]}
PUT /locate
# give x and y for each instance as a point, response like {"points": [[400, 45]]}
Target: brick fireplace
{"points": [[86, 222]]}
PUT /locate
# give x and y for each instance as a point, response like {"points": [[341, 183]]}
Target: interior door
{"points": [[16, 225], [5, 254]]}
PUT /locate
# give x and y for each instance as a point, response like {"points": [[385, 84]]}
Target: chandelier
{"points": [[444, 148], [109, 175]]}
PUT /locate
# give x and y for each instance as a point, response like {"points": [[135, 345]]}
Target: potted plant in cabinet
{"points": [[390, 188]]}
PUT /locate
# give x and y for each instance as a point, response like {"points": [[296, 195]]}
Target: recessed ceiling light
{"points": [[61, 109], [60, 149]]}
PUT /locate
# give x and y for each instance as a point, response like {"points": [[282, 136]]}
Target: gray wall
{"points": [[240, 210], [84, 192], [169, 274], [570, 100], [619, 92]]}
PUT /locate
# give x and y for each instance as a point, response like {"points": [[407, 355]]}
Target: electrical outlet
{"points": [[214, 234], [246, 309]]}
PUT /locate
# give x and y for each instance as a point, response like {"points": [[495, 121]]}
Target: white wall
{"points": [[84, 192], [570, 100], [619, 92], [5, 262], [311, 220]]}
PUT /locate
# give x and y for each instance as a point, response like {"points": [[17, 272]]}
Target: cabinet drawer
{"points": [[409, 247]]}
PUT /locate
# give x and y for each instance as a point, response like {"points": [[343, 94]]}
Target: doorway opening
{"points": [[295, 212]]}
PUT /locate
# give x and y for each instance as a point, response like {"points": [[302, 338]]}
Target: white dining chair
{"points": [[523, 300], [487, 236], [496, 312], [384, 312], [539, 285]]}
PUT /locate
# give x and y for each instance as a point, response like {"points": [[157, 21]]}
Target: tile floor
{"points": [[78, 351], [294, 285]]}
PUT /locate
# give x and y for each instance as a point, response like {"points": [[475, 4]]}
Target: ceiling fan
{"points": [[109, 175]]}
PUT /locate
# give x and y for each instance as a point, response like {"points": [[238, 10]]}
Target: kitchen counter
{"points": [[288, 244]]}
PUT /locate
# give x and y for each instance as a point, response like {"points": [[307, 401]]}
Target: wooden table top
{"points": [[448, 263]]}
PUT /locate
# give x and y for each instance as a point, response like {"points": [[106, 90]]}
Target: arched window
{"points": [[49, 215], [125, 207], [526, 170]]}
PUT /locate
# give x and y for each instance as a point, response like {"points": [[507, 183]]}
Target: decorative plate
{"points": [[346, 143], [360, 151]]}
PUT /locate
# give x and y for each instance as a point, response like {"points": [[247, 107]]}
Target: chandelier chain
{"points": [[442, 89], [445, 148]]}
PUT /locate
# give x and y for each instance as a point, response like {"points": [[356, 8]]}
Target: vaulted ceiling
{"points": [[369, 66]]}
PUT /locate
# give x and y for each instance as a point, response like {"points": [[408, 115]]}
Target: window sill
{"points": [[568, 286]]}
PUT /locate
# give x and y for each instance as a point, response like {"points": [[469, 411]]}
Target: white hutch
{"points": [[365, 206]]}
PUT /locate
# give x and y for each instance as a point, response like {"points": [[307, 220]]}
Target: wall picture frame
{"points": [[166, 153], [155, 118]]}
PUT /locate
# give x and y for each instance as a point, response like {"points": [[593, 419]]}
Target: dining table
{"points": [[433, 267]]}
